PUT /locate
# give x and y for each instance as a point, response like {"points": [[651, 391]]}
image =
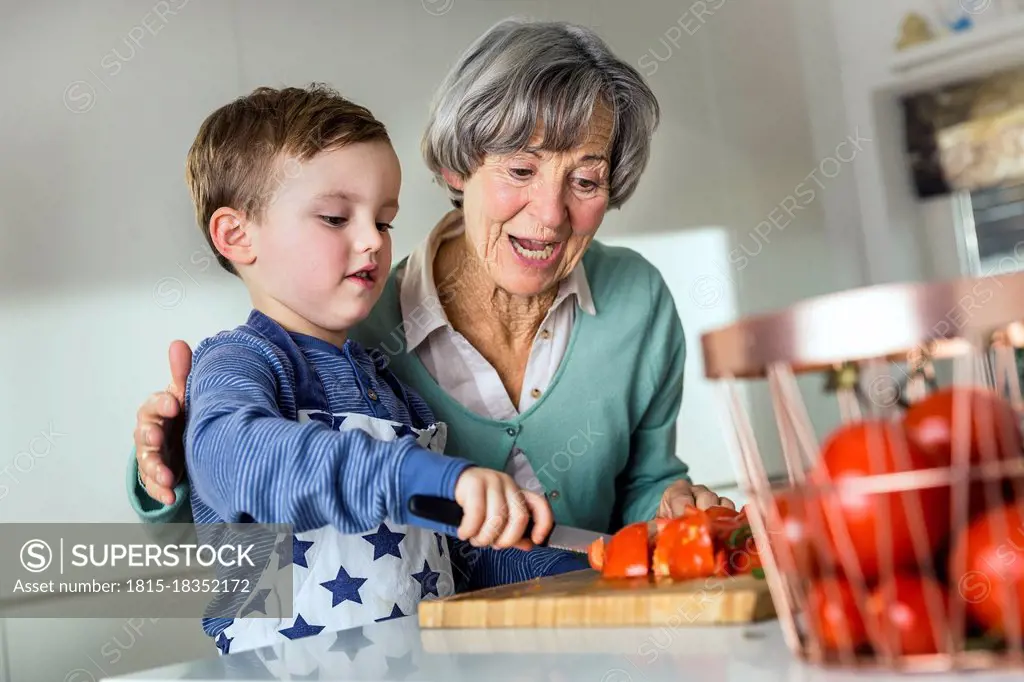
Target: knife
{"points": [[449, 512]]}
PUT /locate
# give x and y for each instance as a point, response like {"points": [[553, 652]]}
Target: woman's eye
{"points": [[587, 184], [333, 220], [521, 172]]}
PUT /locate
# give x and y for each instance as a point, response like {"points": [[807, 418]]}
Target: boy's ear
{"points": [[230, 237], [453, 179]]}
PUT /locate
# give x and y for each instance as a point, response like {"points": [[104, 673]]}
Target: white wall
{"points": [[102, 265], [902, 238]]}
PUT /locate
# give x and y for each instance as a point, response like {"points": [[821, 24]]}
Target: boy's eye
{"points": [[384, 227], [332, 220]]}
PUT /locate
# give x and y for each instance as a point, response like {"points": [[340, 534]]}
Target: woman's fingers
{"points": [[681, 494], [160, 493], [155, 417], [679, 502], [726, 502], [703, 497]]}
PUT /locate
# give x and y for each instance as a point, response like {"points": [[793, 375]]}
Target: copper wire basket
{"points": [[892, 537]]}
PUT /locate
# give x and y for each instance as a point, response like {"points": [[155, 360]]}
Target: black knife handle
{"points": [[445, 511]]}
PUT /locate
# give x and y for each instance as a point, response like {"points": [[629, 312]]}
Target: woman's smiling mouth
{"points": [[535, 253]]}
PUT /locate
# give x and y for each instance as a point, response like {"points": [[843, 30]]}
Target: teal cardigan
{"points": [[601, 440]]}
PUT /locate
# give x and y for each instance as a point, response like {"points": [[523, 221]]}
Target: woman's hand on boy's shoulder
{"points": [[159, 428]]}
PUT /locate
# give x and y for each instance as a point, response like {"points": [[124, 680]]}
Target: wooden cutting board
{"points": [[584, 599]]}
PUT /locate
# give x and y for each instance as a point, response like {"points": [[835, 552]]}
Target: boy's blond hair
{"points": [[242, 151]]}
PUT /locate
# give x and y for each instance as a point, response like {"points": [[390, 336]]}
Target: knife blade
{"points": [[449, 512]]}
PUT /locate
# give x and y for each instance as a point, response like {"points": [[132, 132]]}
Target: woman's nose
{"points": [[549, 204]]}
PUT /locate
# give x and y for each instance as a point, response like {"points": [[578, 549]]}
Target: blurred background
{"points": [[806, 147]]}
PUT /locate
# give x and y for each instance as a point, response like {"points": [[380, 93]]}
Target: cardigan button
{"points": [[510, 431], [554, 494], [371, 394]]}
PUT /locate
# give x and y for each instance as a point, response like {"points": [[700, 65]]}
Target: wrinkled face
{"points": [[530, 216], [322, 249]]}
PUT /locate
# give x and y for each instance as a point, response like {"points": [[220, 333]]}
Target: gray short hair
{"points": [[521, 73]]}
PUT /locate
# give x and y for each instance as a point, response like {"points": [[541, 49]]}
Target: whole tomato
{"points": [[833, 616], [994, 435], [994, 425], [870, 448], [792, 540], [900, 612], [987, 568]]}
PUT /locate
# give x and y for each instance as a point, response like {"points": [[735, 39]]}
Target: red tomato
{"points": [[595, 554], [627, 555], [792, 543], [833, 617], [684, 549], [718, 512], [864, 449], [900, 611], [995, 432], [659, 525], [724, 523], [667, 537], [987, 568], [721, 564]]}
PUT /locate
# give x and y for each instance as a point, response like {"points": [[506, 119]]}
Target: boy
{"points": [[289, 421]]}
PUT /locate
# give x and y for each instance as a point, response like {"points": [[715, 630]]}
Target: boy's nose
{"points": [[369, 238]]}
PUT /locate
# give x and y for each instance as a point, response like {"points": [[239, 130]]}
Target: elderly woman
{"points": [[549, 355]]}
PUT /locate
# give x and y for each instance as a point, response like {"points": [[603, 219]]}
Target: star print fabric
{"points": [[378, 652], [381, 569]]}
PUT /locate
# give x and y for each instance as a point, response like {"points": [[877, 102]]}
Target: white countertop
{"points": [[399, 650]]}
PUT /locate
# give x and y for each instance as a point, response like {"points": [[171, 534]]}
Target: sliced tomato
{"points": [[743, 556], [691, 555], [627, 554], [724, 525], [668, 536], [595, 554], [684, 548], [717, 513], [722, 564]]}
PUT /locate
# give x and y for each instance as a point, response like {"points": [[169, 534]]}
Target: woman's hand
{"points": [[159, 428], [680, 495]]}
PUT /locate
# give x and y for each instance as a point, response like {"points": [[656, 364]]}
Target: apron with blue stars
{"points": [[340, 580]]}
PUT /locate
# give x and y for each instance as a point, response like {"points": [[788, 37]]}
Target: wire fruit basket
{"points": [[895, 540]]}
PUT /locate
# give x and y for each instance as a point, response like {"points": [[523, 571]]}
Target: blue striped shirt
{"points": [[263, 445]]}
